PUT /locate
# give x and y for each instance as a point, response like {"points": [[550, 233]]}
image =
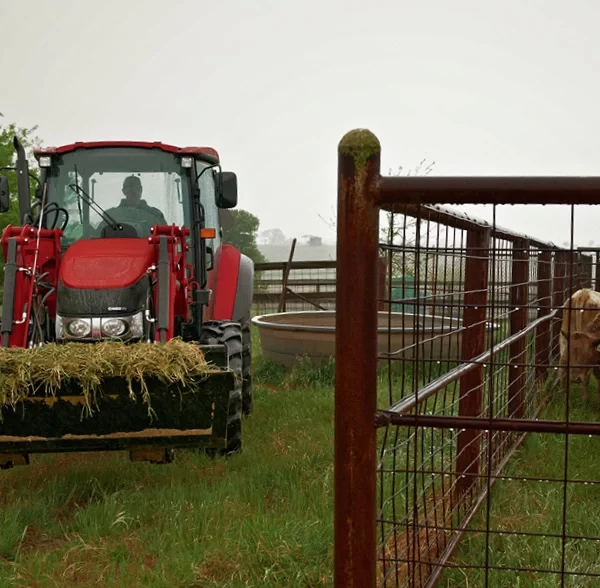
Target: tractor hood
{"points": [[103, 277], [102, 264]]}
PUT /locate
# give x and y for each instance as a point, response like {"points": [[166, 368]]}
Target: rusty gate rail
{"points": [[362, 193], [410, 402]]}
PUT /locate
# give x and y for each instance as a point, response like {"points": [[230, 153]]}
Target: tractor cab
{"points": [[121, 190], [138, 228]]}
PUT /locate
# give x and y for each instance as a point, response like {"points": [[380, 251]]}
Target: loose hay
{"points": [[24, 372]]}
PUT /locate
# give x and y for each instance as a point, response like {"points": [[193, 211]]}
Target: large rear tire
{"points": [[247, 393], [230, 334]]}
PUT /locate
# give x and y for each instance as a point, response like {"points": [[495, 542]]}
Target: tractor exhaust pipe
{"points": [[22, 180]]}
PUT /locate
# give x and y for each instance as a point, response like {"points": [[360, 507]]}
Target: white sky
{"points": [[479, 87]]}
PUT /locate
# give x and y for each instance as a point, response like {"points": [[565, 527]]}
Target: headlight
{"points": [[96, 328], [113, 327], [79, 328]]}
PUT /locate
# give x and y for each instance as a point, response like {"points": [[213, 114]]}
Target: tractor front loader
{"points": [[126, 320]]}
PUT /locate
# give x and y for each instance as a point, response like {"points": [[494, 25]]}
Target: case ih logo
{"points": [[119, 308]]}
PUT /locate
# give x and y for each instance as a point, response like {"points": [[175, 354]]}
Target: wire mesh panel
{"points": [[481, 468]]}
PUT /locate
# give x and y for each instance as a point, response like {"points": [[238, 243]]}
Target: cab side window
{"points": [[208, 199]]}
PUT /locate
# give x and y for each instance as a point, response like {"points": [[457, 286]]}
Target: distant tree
{"points": [[8, 154], [272, 237], [241, 231], [402, 232]]}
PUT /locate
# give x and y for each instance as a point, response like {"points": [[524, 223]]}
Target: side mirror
{"points": [[4, 195], [228, 190]]}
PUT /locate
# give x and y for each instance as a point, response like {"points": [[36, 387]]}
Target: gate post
{"points": [[586, 270], [382, 283], [473, 344], [542, 339], [559, 292], [355, 445], [519, 298]]}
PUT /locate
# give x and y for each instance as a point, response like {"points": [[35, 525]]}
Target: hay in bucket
{"points": [[45, 369]]}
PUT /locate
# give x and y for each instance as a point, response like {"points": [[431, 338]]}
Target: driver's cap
{"points": [[132, 182]]}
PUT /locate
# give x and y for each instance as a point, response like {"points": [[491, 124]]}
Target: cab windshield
{"points": [[134, 186]]}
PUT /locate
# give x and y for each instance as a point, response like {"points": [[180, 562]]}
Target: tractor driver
{"points": [[133, 209]]}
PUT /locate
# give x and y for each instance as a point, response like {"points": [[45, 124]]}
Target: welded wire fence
{"points": [[307, 286], [477, 469]]}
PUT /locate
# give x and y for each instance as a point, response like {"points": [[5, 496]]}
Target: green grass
{"points": [[265, 517], [537, 506], [262, 518]]}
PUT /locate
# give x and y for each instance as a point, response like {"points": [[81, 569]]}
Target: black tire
{"points": [[229, 333], [247, 393]]}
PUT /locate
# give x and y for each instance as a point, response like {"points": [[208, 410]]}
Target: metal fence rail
{"points": [[437, 389]]}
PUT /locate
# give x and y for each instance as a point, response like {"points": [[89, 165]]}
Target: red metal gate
{"points": [[437, 391]]}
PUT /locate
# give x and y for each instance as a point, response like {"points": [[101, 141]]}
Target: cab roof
{"points": [[205, 153]]}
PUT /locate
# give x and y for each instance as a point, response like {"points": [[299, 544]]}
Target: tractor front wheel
{"points": [[230, 334]]}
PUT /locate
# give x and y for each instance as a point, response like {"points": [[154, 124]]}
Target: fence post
{"points": [[559, 293], [586, 269], [542, 339], [356, 360], [382, 283], [577, 270], [472, 345], [518, 321], [286, 275]]}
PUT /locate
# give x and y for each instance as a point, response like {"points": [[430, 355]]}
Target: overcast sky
{"points": [[478, 87]]}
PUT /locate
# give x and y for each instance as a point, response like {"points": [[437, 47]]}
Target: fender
{"points": [[244, 296], [231, 282]]}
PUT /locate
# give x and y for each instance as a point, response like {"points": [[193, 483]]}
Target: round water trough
{"points": [[288, 335]]}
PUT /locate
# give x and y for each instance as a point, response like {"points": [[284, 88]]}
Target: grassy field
{"points": [[265, 517], [262, 518]]}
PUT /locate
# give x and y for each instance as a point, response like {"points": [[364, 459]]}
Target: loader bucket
{"points": [[193, 414]]}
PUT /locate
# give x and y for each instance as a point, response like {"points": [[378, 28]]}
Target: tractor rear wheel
{"points": [[230, 334], [247, 393]]}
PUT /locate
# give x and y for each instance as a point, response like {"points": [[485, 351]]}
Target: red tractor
{"points": [[123, 241]]}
